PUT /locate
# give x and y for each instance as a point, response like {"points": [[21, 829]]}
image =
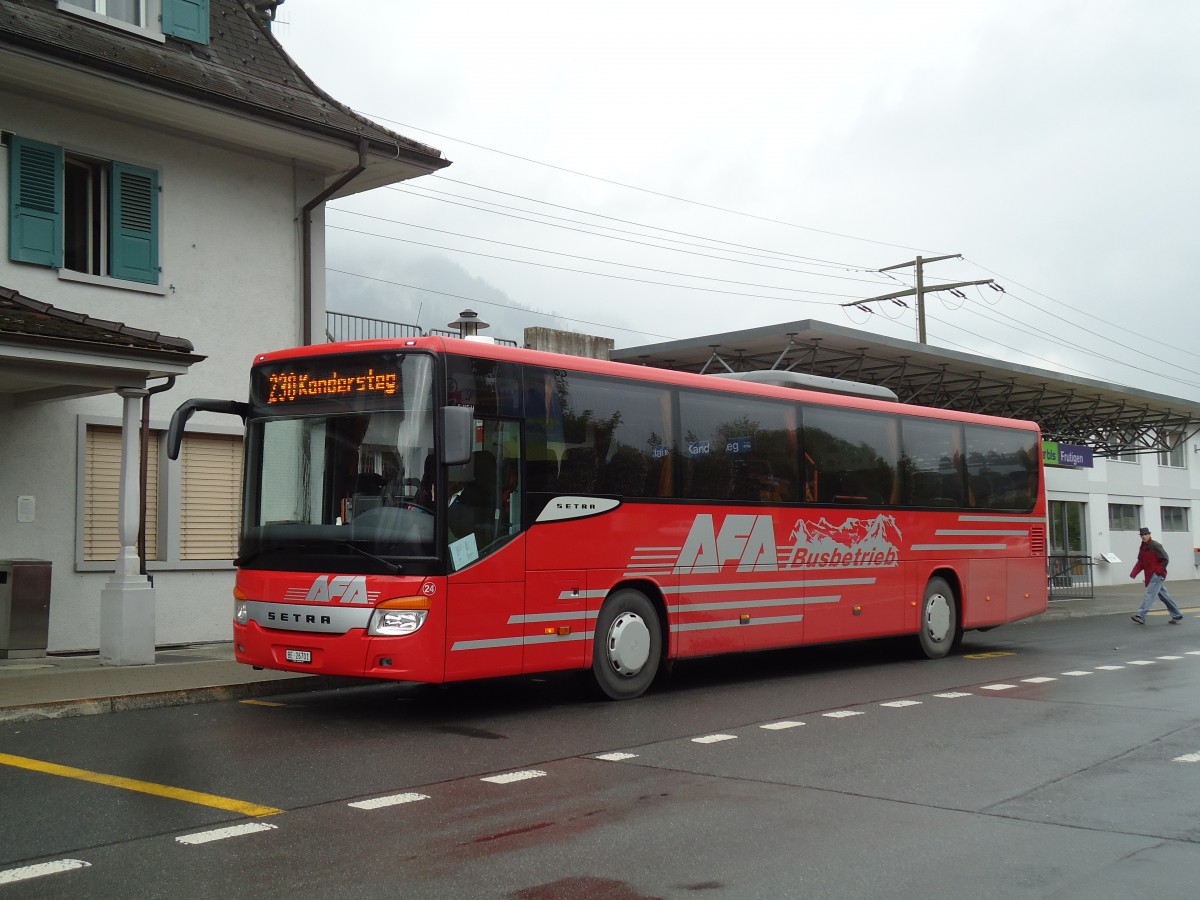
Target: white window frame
{"points": [[1184, 514], [1114, 525], [170, 500], [1175, 457], [151, 11]]}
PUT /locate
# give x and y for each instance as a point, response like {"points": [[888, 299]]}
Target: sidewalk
{"points": [[54, 687]]}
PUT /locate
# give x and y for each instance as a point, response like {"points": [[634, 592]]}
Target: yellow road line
{"points": [[145, 787], [261, 703]]}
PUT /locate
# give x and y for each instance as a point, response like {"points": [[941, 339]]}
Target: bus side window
{"points": [[578, 472]]}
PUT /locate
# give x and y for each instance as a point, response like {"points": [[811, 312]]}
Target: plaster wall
{"points": [[230, 256]]}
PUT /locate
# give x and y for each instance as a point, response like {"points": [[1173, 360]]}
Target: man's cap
{"points": [[1143, 531]]}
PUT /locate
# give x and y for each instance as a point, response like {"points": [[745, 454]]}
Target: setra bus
{"points": [[436, 510]]}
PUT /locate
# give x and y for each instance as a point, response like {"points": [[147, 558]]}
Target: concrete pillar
{"points": [[127, 601]]}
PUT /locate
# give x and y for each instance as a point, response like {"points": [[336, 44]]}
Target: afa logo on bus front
{"points": [[749, 541]]}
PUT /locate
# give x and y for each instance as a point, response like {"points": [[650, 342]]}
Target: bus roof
{"points": [[751, 383]]}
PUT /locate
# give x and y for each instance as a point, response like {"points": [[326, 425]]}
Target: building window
{"points": [[1174, 457], [205, 502], [131, 12], [183, 19], [75, 212], [212, 494], [102, 495], [1124, 517], [1175, 518]]}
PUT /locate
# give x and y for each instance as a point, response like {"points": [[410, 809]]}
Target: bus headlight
{"points": [[401, 615], [241, 612]]}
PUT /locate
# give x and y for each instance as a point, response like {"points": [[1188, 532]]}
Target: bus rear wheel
{"points": [[627, 647], [940, 629]]}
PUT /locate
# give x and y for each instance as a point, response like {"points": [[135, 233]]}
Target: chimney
{"points": [[266, 9]]}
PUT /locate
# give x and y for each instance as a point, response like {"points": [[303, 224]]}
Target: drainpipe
{"points": [[157, 389], [306, 233]]}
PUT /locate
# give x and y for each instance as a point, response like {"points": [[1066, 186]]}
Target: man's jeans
{"points": [[1157, 589]]}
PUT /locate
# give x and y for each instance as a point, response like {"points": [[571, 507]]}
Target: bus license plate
{"points": [[298, 656]]}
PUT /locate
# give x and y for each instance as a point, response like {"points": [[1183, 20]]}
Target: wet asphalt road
{"points": [[1049, 759]]}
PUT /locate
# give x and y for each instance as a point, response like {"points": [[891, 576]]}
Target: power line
{"points": [[509, 306], [814, 260], [605, 274], [607, 237], [633, 187]]}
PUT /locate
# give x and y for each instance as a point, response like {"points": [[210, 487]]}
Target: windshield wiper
{"points": [[395, 567]]}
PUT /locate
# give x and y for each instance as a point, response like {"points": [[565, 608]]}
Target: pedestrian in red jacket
{"points": [[1152, 562]]}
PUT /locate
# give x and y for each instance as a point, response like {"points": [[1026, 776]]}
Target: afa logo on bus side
{"points": [[749, 541]]}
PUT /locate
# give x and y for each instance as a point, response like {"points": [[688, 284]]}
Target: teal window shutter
{"points": [[133, 229], [186, 19], [35, 190]]}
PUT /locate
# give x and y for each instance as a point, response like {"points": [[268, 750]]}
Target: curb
{"points": [[66, 709]]}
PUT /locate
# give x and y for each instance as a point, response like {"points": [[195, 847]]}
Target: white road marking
{"points": [[779, 726], [714, 738], [393, 800], [1188, 757], [841, 714], [1041, 679], [997, 687], [1192, 652], [954, 695], [1077, 672], [510, 777], [899, 704], [1168, 657], [1108, 668], [12, 876], [1141, 662], [616, 757], [220, 834]]}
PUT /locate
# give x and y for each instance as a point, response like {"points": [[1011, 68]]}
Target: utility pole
{"points": [[920, 290]]}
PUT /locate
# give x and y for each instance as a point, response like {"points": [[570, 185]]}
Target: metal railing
{"points": [[1069, 576], [341, 326]]}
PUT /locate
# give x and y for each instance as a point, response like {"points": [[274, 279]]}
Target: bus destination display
{"points": [[286, 385]]}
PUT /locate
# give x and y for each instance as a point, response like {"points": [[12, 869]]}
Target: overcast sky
{"points": [[659, 169]]}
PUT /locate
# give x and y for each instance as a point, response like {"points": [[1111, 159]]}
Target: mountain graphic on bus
{"points": [[856, 543]]}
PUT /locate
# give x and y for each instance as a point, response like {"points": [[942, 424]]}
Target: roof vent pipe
{"points": [[468, 324]]}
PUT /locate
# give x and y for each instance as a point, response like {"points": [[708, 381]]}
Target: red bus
{"points": [[436, 510]]}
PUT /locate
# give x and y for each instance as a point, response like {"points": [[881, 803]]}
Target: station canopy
{"points": [[1110, 419]]}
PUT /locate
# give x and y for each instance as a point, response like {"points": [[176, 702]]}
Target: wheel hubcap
{"points": [[937, 618], [628, 644]]}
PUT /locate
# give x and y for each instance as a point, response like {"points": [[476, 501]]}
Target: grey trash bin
{"points": [[24, 607]]}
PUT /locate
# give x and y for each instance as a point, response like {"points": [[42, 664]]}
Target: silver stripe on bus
{"points": [[736, 623], [300, 593], [981, 532], [324, 618], [550, 638], [680, 608], [488, 644], [967, 518], [959, 547], [551, 617], [730, 586], [766, 585]]}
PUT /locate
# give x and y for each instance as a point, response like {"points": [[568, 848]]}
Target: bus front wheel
{"points": [[940, 629], [627, 648]]}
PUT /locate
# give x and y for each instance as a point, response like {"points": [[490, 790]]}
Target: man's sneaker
{"points": [[1139, 619], [1175, 621]]}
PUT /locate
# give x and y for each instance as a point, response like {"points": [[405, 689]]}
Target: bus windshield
{"points": [[339, 469]]}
